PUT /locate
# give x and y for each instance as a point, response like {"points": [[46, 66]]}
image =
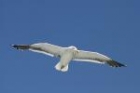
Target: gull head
{"points": [[73, 47]]}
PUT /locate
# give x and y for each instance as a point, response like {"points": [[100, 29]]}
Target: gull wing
{"points": [[90, 56], [48, 49], [95, 57]]}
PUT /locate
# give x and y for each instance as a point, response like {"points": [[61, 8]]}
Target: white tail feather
{"points": [[60, 67]]}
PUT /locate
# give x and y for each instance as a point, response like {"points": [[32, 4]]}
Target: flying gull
{"points": [[67, 54]]}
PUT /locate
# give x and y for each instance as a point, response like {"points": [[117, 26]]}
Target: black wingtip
{"points": [[114, 63], [22, 47], [15, 46]]}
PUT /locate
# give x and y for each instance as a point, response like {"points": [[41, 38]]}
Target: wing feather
{"points": [[46, 48], [90, 57]]}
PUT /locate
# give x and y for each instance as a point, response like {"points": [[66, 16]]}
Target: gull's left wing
{"points": [[95, 57]]}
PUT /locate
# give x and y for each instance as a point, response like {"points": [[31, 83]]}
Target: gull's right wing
{"points": [[45, 48]]}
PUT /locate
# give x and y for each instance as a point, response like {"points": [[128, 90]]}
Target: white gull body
{"points": [[67, 54]]}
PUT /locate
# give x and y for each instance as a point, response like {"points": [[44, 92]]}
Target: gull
{"points": [[68, 54]]}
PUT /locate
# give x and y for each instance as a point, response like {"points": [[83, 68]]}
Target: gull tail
{"points": [[114, 63], [61, 67], [21, 47]]}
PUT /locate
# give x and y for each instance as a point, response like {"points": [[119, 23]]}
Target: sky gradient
{"points": [[105, 26]]}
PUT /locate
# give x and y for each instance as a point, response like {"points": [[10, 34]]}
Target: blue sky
{"points": [[110, 27]]}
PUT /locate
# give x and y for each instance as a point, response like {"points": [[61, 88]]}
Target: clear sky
{"points": [[111, 27]]}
